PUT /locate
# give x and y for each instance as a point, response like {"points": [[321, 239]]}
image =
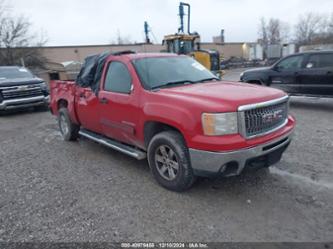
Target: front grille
{"points": [[265, 119], [21, 92]]}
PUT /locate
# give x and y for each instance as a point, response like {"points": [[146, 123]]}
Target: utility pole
{"points": [[146, 28]]}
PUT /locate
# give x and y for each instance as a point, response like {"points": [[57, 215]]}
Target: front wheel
{"points": [[169, 161]]}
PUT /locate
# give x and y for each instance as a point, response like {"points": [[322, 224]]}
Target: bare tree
{"points": [[121, 40], [330, 24], [308, 27], [326, 34], [17, 44], [272, 32]]}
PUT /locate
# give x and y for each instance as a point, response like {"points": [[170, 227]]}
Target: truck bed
{"points": [[62, 90]]}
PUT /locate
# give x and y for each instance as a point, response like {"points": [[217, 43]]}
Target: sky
{"points": [[91, 22]]}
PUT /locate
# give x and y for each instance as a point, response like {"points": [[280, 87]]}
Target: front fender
{"points": [[178, 117]]}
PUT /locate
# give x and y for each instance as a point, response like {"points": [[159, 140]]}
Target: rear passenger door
{"points": [[285, 74], [317, 76]]}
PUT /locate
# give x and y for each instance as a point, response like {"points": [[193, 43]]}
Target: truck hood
{"points": [[222, 95], [19, 81]]}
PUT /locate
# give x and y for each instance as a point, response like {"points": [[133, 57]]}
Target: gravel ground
{"points": [[51, 190]]}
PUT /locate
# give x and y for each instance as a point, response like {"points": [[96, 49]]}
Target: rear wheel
{"points": [[68, 129], [169, 161]]}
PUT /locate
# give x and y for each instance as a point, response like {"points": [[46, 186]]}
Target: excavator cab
{"points": [[186, 44], [180, 43]]}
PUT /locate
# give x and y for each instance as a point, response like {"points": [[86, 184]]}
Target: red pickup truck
{"points": [[173, 111]]}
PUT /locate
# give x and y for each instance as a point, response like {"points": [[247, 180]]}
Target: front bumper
{"points": [[24, 102], [206, 163]]}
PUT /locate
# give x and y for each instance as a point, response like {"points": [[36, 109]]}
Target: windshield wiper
{"points": [[173, 83], [205, 80]]}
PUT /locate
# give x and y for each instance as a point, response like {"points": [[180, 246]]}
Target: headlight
{"points": [[241, 75], [217, 124]]}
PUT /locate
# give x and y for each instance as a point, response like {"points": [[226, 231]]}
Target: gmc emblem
{"points": [[271, 117]]}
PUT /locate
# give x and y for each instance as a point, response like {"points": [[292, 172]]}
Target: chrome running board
{"points": [[126, 149]]}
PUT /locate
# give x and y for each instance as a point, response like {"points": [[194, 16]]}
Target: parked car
{"points": [[173, 111], [309, 73], [20, 88]]}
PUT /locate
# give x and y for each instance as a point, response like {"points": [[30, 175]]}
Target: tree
{"points": [[122, 40], [16, 41], [273, 32], [308, 27], [313, 28]]}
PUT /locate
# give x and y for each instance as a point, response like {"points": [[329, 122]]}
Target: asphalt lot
{"points": [[51, 190]]}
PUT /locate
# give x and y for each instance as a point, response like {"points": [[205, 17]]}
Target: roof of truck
{"points": [[134, 56]]}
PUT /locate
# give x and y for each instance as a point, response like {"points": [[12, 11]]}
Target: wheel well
{"points": [[62, 103], [152, 128]]}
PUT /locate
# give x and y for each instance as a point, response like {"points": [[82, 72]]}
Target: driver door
{"points": [[285, 74], [119, 108]]}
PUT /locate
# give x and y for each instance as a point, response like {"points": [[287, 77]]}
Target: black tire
{"points": [[71, 131], [183, 177]]}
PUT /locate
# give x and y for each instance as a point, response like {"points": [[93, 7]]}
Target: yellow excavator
{"points": [[189, 44]]}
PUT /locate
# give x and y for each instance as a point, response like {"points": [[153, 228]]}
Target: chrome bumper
{"points": [[24, 102], [206, 163]]}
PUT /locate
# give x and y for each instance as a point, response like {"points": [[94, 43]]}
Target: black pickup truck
{"points": [[308, 73], [19, 88]]}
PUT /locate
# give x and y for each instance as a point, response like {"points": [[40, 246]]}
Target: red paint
{"points": [[124, 116]]}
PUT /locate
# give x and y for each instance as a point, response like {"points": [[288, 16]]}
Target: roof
{"points": [[316, 52], [135, 56], [189, 37]]}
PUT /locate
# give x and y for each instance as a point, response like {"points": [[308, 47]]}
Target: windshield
{"points": [[14, 73], [163, 71]]}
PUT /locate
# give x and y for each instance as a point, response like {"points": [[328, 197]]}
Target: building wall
{"points": [[227, 50], [78, 53]]}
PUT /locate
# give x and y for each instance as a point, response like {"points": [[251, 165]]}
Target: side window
{"points": [[118, 78], [320, 60], [294, 62]]}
